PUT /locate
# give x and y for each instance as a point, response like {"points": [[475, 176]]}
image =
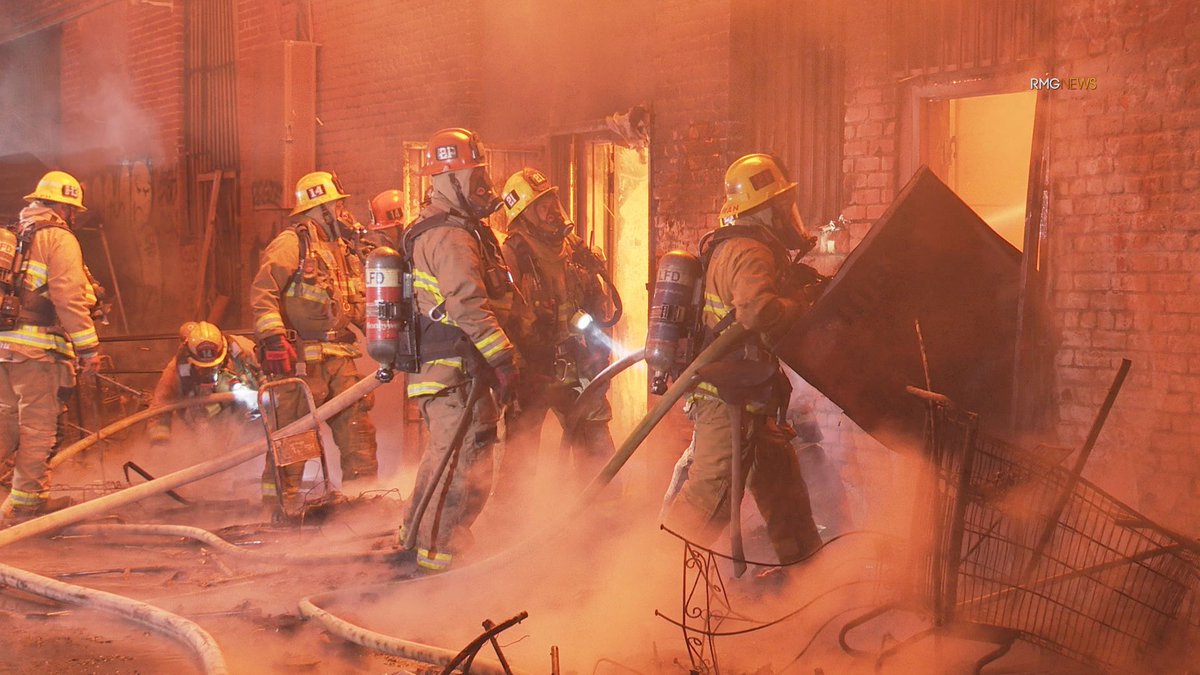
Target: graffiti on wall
{"points": [[266, 193], [136, 203]]}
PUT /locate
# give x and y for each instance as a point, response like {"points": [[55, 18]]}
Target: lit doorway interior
{"points": [[618, 224], [606, 189], [980, 147]]}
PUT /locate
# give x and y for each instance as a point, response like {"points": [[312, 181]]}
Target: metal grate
{"points": [[1110, 588]]}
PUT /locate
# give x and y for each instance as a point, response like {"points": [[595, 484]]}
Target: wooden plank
{"points": [[209, 227]]}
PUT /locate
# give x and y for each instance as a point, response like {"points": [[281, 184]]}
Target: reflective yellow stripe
{"points": [[309, 292], [268, 322], [84, 338], [437, 561], [453, 363], [715, 306], [36, 274], [312, 352], [340, 349], [22, 498], [427, 282], [493, 344], [268, 489], [425, 388], [36, 336]]}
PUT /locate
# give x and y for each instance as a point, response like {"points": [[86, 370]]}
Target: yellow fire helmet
{"points": [[522, 189], [316, 188], [205, 345], [61, 187], [750, 182]]}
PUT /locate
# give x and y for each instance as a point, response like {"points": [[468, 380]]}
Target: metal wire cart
{"points": [[1018, 547]]}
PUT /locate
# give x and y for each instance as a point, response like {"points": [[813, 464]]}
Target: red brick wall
{"points": [[383, 82], [870, 150], [1122, 248], [692, 135], [1125, 215]]}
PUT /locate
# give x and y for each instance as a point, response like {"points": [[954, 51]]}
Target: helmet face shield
{"points": [[789, 224]]}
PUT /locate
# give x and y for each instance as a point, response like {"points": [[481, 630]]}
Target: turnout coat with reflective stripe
{"points": [[448, 269], [54, 270], [744, 275], [320, 303]]}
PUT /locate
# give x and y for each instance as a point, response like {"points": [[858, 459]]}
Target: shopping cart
{"points": [[1018, 547], [295, 448]]}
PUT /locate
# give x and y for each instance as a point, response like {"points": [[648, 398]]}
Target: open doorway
{"points": [[606, 190], [980, 146]]}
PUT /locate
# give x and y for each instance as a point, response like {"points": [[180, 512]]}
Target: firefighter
{"points": [[207, 362], [463, 297], [560, 278], [387, 220], [307, 293], [47, 333], [749, 279]]}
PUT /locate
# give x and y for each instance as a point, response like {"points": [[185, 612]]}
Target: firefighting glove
{"points": [[89, 362], [785, 312], [506, 379], [278, 356]]}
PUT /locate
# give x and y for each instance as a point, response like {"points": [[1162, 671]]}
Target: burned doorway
{"points": [[980, 147], [605, 188]]}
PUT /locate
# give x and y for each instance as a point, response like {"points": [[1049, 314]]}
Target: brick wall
{"points": [[870, 150], [692, 129], [1122, 248], [381, 83], [1125, 250]]}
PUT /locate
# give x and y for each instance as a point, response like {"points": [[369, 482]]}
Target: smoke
{"points": [[55, 109]]}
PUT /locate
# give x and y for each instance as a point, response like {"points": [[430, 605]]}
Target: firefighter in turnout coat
{"points": [[559, 277], [207, 362], [463, 297], [47, 334], [749, 279], [307, 293]]}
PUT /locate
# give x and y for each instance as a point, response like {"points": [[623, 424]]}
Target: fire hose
{"points": [[724, 343], [478, 390], [217, 543], [387, 644], [126, 422], [593, 389], [729, 339], [195, 637], [174, 626]]}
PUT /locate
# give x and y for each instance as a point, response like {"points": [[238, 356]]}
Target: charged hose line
{"points": [[386, 644], [177, 627], [729, 339], [726, 342], [126, 422], [251, 450], [618, 306], [593, 389], [217, 543]]}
